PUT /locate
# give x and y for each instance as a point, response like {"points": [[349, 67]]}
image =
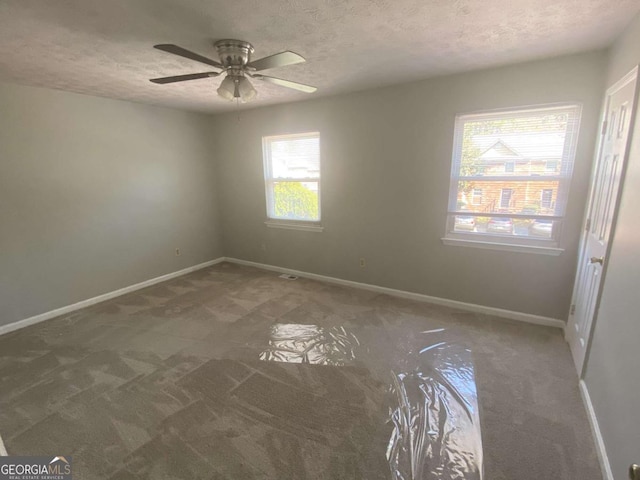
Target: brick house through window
{"points": [[502, 161], [512, 164]]}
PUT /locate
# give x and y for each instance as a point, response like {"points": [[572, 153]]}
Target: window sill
{"points": [[293, 225], [509, 247]]}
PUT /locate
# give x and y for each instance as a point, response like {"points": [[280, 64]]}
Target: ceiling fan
{"points": [[235, 62]]}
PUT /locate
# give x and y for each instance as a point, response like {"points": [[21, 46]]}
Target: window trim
{"points": [[269, 181], [514, 242], [304, 225], [509, 247]]}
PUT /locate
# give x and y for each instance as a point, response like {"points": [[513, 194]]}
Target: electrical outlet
{"points": [[177, 252], [363, 263]]}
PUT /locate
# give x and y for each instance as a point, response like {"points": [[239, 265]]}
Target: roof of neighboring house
{"points": [[519, 147], [499, 152]]}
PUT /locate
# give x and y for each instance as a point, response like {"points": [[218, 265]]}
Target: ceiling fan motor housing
{"points": [[234, 53]]}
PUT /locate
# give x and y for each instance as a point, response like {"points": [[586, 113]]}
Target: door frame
{"points": [[630, 76]]}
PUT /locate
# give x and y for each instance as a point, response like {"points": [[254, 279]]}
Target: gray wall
{"points": [[386, 159], [95, 195], [612, 376]]}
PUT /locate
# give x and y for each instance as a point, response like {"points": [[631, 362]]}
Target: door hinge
{"points": [[573, 309], [587, 225], [604, 127]]}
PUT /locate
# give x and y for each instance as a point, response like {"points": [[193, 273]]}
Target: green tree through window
{"points": [[294, 200]]}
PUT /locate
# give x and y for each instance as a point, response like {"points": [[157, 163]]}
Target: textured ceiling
{"points": [[104, 47]]}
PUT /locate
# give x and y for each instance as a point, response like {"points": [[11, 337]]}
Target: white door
{"points": [[603, 204]]}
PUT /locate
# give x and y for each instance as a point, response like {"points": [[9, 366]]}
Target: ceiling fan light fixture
{"points": [[237, 86], [227, 88], [246, 90]]}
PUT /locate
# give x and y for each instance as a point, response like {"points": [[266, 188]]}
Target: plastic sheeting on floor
{"points": [[432, 397]]}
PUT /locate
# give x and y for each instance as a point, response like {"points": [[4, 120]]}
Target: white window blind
{"points": [[292, 176], [520, 159]]}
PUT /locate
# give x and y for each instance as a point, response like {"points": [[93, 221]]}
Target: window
{"points": [[292, 178], [546, 198], [525, 209], [505, 197], [476, 196], [551, 166]]}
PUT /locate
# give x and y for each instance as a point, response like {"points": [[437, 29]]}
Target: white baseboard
{"points": [[471, 307], [523, 317], [101, 298], [607, 474]]}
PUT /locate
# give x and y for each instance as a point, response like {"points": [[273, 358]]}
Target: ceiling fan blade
{"points": [[286, 83], [281, 59], [176, 50], [184, 78]]}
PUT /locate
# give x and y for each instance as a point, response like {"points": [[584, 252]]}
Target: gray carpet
{"points": [[234, 373]]}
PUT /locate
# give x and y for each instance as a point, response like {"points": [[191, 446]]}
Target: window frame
{"points": [[520, 243], [270, 181]]}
